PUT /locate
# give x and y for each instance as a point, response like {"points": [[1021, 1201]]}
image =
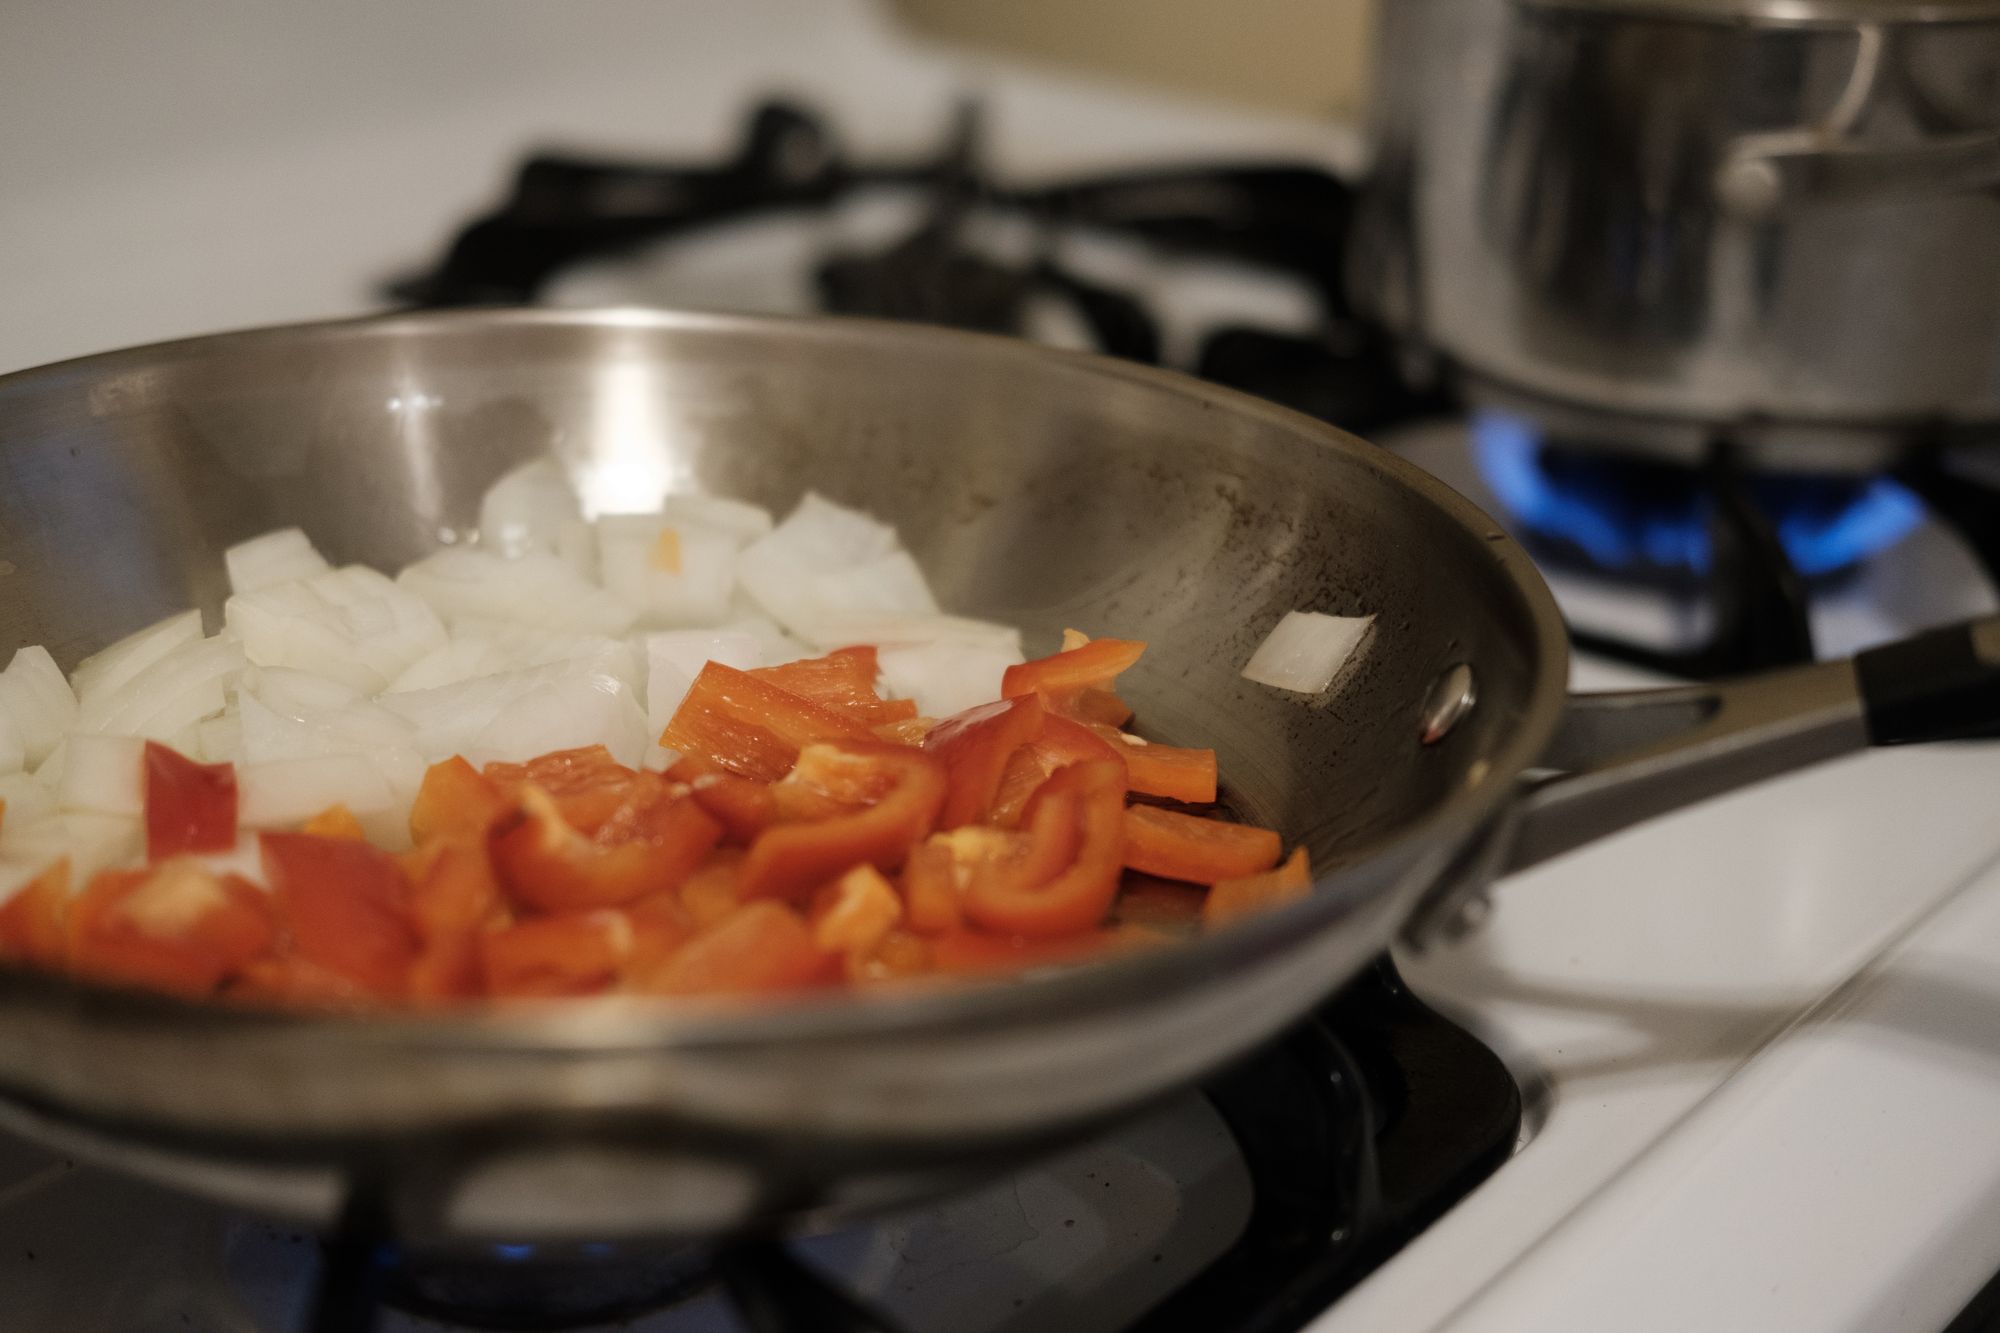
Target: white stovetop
{"points": [[1730, 1133]]}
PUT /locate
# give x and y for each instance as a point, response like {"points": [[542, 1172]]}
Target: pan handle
{"points": [[1625, 757]]}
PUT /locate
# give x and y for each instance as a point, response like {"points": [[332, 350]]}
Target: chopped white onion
{"points": [[351, 624], [886, 630], [945, 678], [826, 565], [488, 647], [275, 557], [462, 583], [13, 749], [747, 521], [1306, 651], [581, 706], [24, 798], [285, 793], [104, 775], [125, 659], [92, 842], [363, 729], [35, 703], [219, 739], [532, 510], [177, 691], [669, 573]]}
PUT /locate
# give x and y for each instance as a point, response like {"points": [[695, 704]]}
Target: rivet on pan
{"points": [[1450, 700], [1469, 916]]}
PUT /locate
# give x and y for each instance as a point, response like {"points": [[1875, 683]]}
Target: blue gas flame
{"points": [[1825, 524]]}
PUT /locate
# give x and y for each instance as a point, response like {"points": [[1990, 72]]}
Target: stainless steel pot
{"points": [[1656, 223], [1036, 486]]}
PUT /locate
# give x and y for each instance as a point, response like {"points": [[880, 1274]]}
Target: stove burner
{"points": [[543, 1287], [1358, 1128], [1628, 515]]}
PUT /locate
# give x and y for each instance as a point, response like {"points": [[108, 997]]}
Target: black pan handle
{"points": [[1619, 759], [1940, 686]]}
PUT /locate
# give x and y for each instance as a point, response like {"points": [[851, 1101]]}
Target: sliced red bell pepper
{"points": [[572, 953], [1062, 742], [749, 726], [898, 791], [175, 926], [587, 784], [910, 731], [649, 845], [843, 682], [930, 889], [453, 896], [1163, 770], [344, 906], [1099, 707], [190, 807], [1093, 664], [661, 924], [336, 821], [974, 748], [455, 801], [897, 955], [760, 948], [712, 892], [1159, 904], [852, 914], [32, 928], [976, 953], [1081, 806], [1232, 899], [1200, 851]]}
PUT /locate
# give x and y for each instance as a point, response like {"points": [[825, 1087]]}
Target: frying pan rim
{"points": [[632, 1024]]}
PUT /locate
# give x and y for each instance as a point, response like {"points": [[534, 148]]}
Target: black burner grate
{"points": [[1358, 1128]]}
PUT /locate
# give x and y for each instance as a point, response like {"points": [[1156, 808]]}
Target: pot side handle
{"points": [[1621, 758]]}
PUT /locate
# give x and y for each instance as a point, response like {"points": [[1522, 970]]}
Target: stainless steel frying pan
{"points": [[1037, 487]]}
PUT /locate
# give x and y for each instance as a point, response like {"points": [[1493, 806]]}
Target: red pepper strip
{"points": [[1163, 770], [842, 682], [1165, 905], [1232, 899], [1091, 665], [900, 791], [1062, 742], [587, 784], [32, 921], [1095, 706], [930, 889], [173, 927], [750, 726], [575, 953], [190, 807], [336, 821], [851, 915], [1200, 851], [455, 801], [974, 953], [759, 948], [1081, 805], [453, 895], [345, 907], [974, 748], [649, 845]]}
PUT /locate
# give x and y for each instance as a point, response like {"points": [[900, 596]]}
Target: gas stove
{"points": [[1748, 1051]]}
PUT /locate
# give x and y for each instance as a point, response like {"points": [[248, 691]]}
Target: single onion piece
{"points": [[103, 775], [531, 509], [274, 557], [35, 700], [1307, 651]]}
